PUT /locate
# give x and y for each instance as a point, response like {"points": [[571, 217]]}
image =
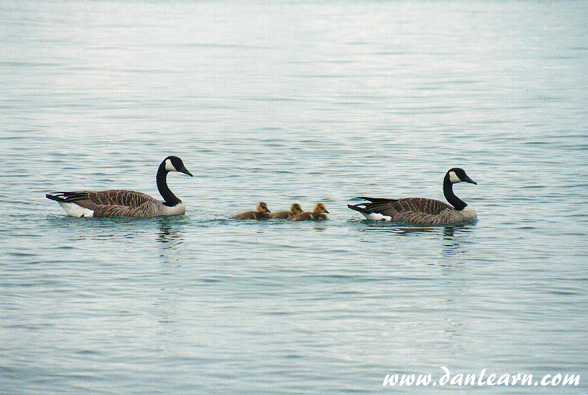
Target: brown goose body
{"points": [[117, 203], [286, 214], [422, 211], [125, 203], [319, 213], [262, 212], [419, 211]]}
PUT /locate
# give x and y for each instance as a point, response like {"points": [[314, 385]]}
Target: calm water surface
{"points": [[293, 102]]}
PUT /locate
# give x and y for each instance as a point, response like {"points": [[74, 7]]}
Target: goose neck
{"points": [[450, 196], [169, 198]]}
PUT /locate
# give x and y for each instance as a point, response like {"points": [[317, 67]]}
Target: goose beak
{"points": [[327, 211], [267, 210], [185, 171], [468, 179]]}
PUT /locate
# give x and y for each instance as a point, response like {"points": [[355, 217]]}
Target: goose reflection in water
{"points": [[170, 232]]}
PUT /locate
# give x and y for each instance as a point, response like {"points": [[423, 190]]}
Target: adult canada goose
{"points": [[262, 212], [422, 211], [319, 213], [294, 209], [122, 203]]}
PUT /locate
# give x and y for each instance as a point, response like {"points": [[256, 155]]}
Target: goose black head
{"points": [[173, 163], [458, 175]]}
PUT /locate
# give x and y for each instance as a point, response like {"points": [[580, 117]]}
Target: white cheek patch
{"points": [[169, 166], [454, 178]]}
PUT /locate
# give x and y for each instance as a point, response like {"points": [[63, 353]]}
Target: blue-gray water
{"points": [[292, 101]]}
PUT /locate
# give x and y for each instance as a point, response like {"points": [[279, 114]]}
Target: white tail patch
{"points": [[377, 217], [75, 210]]}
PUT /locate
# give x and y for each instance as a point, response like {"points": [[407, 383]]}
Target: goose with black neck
{"points": [[422, 211], [125, 203]]}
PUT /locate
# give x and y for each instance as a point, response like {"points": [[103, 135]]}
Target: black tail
{"points": [[375, 205], [57, 196], [377, 200], [66, 197], [357, 207]]}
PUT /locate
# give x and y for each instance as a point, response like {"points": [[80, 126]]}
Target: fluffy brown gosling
{"points": [[318, 214], [262, 212], [287, 214]]}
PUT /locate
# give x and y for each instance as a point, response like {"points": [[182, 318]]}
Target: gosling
{"points": [[262, 212], [294, 209], [318, 214]]}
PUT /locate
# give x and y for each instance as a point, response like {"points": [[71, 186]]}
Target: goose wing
{"points": [[393, 207]]}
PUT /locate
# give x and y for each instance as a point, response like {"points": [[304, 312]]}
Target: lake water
{"points": [[293, 101]]}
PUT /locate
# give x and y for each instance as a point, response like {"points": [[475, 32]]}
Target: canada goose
{"points": [[319, 213], [121, 203], [422, 211], [294, 209], [262, 212]]}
